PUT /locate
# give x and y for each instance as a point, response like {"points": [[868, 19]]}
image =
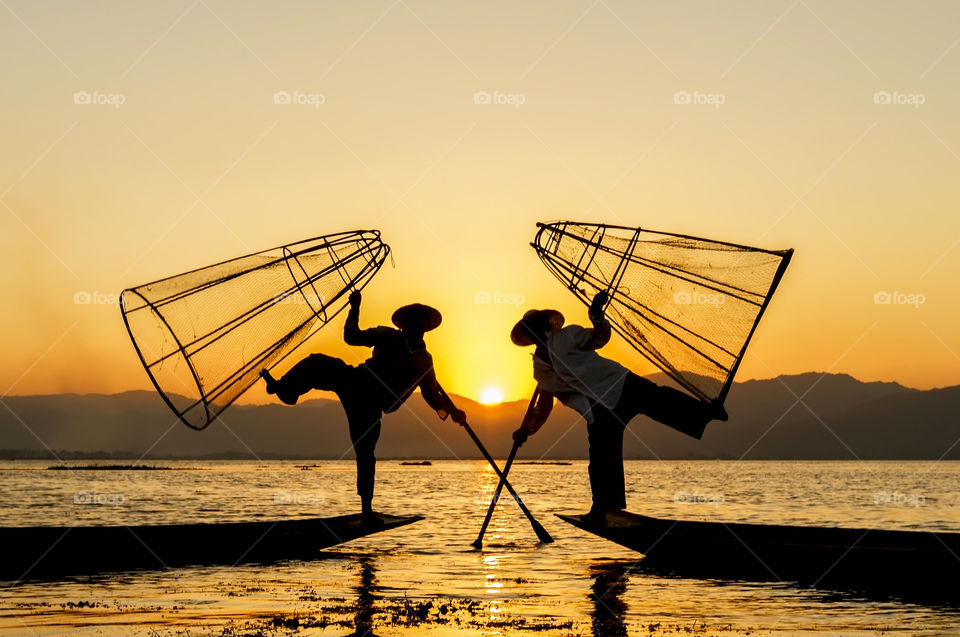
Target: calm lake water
{"points": [[426, 579]]}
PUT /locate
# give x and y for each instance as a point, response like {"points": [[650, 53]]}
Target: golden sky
{"points": [[184, 158]]}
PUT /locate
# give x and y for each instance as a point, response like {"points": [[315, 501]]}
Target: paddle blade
{"points": [[541, 532]]}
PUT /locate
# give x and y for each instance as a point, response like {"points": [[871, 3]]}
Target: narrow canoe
{"points": [[47, 551], [865, 559]]}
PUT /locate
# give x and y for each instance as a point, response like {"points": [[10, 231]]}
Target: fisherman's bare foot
{"points": [[273, 388], [369, 519], [595, 517], [718, 412]]}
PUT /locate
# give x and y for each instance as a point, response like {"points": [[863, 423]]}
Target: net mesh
{"points": [[204, 336], [689, 305]]}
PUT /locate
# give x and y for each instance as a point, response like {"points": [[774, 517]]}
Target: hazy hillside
{"points": [[839, 417]]}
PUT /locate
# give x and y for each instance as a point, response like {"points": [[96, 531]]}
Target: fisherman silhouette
{"points": [[608, 396], [399, 364]]}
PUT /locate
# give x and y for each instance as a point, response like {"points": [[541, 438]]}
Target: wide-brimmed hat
{"points": [[519, 334], [418, 314]]}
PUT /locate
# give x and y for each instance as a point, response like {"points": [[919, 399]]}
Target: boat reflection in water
{"points": [[424, 578]]}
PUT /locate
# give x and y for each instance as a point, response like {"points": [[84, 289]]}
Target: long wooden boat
{"points": [[45, 551], [920, 562]]}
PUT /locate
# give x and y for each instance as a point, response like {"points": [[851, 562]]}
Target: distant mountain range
{"points": [[839, 418]]}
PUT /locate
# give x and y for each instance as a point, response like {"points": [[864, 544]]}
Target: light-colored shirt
{"points": [[576, 374]]}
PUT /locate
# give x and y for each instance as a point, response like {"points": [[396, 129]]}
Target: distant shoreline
{"points": [[839, 418], [414, 461]]}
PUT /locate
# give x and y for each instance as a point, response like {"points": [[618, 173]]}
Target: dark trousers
{"points": [[669, 406], [358, 392]]}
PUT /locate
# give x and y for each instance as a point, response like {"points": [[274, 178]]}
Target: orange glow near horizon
{"points": [[200, 164], [491, 396]]}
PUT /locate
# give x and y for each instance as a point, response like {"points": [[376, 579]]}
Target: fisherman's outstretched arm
{"points": [[539, 416], [541, 412], [352, 334], [438, 399]]}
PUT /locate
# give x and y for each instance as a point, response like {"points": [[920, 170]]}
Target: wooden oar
{"points": [[478, 543], [541, 532]]}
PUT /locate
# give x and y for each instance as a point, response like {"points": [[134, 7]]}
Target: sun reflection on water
{"points": [[426, 578], [492, 583]]}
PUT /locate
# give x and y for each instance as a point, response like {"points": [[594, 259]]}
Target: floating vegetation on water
{"points": [[394, 613], [369, 613], [113, 467], [82, 604]]}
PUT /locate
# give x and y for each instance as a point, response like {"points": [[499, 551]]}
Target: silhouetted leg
{"points": [[317, 371], [605, 435], [666, 405], [364, 420], [617, 494], [595, 465]]}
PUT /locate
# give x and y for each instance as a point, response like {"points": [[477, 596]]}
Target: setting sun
{"points": [[342, 260], [491, 396]]}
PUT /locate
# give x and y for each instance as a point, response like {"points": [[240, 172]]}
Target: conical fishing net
{"points": [[689, 305], [204, 336]]}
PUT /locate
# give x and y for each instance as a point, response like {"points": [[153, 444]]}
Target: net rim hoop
{"points": [[561, 226], [369, 235], [146, 367], [628, 254], [369, 244]]}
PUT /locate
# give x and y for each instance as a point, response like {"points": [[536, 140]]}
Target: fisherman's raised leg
{"points": [[316, 371], [666, 405]]}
